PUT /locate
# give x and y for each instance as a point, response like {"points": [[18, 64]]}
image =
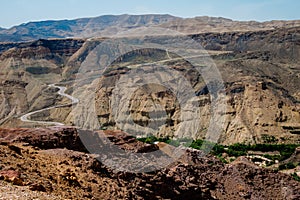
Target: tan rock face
{"points": [[260, 72], [12, 96], [258, 110], [26, 71], [155, 101], [145, 104], [258, 115]]}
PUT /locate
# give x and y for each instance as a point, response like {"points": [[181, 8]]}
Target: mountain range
{"points": [[109, 25], [254, 65], [256, 151]]}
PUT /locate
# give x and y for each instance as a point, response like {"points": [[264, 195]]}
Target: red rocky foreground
{"points": [[52, 163]]}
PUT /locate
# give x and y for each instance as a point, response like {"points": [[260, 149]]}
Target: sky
{"points": [[15, 12]]}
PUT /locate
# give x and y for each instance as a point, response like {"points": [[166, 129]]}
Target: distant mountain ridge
{"points": [[206, 24], [105, 25], [109, 25]]}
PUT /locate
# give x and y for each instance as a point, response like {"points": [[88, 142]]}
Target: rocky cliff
{"points": [[27, 69], [262, 106], [259, 69]]}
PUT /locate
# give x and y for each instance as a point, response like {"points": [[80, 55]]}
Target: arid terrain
{"points": [[53, 163], [255, 155]]}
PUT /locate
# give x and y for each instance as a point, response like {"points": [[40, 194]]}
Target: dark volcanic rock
{"points": [[194, 175], [44, 138]]}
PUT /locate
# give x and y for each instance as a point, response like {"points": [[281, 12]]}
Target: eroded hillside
{"points": [[259, 69]]}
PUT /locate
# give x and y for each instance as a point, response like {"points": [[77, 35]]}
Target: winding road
{"points": [[61, 92], [167, 51], [74, 100], [24, 118]]}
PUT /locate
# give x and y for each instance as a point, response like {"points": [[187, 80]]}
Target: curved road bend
{"points": [[74, 100], [61, 92]]}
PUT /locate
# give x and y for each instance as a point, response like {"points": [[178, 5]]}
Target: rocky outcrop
{"points": [[11, 93], [11, 176], [281, 43], [55, 49], [206, 24], [44, 138], [73, 174], [295, 157]]}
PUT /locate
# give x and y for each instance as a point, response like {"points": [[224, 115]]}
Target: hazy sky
{"points": [[13, 12]]}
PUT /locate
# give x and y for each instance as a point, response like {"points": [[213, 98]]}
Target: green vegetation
{"points": [[272, 157], [223, 159], [38, 70], [269, 138], [152, 139], [286, 150], [235, 150], [103, 128], [176, 143], [288, 165], [296, 177]]}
